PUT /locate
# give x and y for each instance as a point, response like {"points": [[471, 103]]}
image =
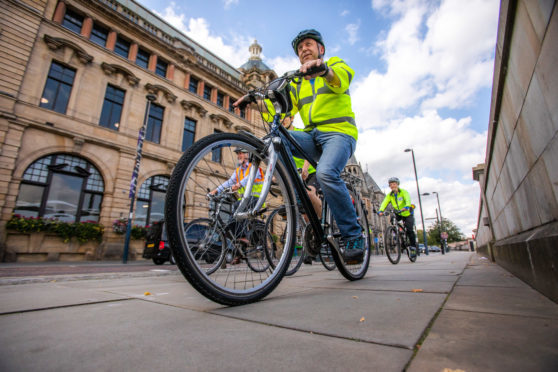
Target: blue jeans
{"points": [[331, 150]]}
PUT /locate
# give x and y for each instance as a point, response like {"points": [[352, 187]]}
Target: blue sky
{"points": [[423, 78]]}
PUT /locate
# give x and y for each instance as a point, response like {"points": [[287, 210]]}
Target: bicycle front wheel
{"points": [[392, 245], [327, 258], [203, 167]]}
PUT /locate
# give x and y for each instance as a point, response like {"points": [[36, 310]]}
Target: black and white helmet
{"points": [[393, 179]]}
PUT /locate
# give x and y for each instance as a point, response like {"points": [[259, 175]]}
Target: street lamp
{"points": [[134, 181], [441, 220], [420, 203]]}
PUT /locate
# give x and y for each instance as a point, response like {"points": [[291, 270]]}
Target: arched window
{"points": [[61, 186], [151, 201]]}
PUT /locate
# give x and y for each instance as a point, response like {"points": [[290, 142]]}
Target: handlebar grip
{"points": [[316, 70]]}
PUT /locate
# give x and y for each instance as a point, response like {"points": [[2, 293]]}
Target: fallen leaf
{"points": [[355, 297], [417, 290], [362, 319], [147, 294]]}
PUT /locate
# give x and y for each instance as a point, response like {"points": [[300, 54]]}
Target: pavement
{"points": [[453, 312]]}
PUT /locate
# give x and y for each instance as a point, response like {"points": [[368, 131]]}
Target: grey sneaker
{"points": [[354, 250]]}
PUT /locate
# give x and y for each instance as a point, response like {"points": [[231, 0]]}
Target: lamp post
{"points": [[134, 181], [420, 203], [441, 219], [441, 224]]}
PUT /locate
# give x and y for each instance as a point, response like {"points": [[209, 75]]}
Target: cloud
{"points": [[233, 51], [344, 13], [283, 64], [229, 3], [352, 31]]}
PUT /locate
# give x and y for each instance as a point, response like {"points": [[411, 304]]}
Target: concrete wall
{"points": [[519, 210]]}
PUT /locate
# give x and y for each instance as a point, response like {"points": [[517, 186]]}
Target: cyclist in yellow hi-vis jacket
{"points": [[330, 131], [401, 203]]}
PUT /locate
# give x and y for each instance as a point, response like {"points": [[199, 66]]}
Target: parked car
{"points": [[421, 248], [156, 246], [434, 248]]}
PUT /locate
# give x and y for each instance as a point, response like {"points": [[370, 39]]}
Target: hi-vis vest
{"points": [[258, 182], [398, 201]]}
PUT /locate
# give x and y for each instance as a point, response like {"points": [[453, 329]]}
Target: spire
{"points": [[255, 50]]}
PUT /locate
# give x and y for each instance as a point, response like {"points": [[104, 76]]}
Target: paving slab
{"points": [[26, 297], [501, 300], [139, 335], [379, 317], [468, 341], [489, 276]]}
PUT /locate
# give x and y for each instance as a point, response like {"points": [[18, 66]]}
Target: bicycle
{"points": [[218, 240], [197, 172], [396, 240]]}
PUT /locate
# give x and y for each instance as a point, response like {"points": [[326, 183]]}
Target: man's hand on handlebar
{"points": [[313, 69]]}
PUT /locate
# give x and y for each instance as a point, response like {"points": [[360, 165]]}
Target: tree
{"points": [[454, 234]]}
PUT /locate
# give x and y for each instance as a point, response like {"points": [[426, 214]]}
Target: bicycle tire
{"points": [[207, 244], [256, 256], [326, 258], [392, 245], [196, 173], [355, 271], [274, 228]]}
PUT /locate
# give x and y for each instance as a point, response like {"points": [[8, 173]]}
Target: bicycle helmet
{"points": [[238, 149], [393, 179], [307, 34]]}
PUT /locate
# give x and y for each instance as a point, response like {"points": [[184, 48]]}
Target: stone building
{"points": [[74, 81], [74, 75], [518, 215]]}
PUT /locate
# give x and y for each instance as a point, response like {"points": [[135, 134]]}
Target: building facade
{"points": [[518, 215], [74, 81]]}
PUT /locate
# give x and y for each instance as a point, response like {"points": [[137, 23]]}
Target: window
{"points": [[216, 154], [112, 108], [189, 133], [243, 113], [63, 187], [193, 87], [207, 92], [58, 88], [220, 99], [161, 67], [151, 200], [142, 58], [154, 123], [231, 107], [72, 21], [122, 47], [99, 35]]}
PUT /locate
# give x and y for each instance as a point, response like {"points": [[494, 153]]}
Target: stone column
{"points": [[170, 71], [87, 27], [133, 53], [187, 81], [214, 95], [226, 102], [111, 40], [152, 63], [60, 12], [201, 85]]}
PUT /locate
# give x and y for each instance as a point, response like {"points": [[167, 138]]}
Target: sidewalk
{"points": [[464, 313]]}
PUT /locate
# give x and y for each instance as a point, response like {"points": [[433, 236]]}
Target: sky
{"points": [[423, 79]]}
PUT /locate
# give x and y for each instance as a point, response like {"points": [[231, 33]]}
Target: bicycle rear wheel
{"points": [[207, 164], [207, 243], [275, 244], [392, 245], [354, 270]]}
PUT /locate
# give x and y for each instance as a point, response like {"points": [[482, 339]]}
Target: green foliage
{"points": [[83, 231], [454, 234], [119, 227]]}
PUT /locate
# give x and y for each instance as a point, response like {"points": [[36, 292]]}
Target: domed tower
{"points": [[255, 73]]}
